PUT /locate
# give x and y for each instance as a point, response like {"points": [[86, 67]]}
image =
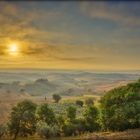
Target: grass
{"points": [[132, 134]]}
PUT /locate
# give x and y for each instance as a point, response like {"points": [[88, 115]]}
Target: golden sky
{"points": [[70, 35]]}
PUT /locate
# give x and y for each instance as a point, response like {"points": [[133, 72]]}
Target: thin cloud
{"points": [[17, 24], [117, 12], [73, 59]]}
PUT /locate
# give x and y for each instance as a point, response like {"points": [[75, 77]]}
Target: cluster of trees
{"points": [[27, 118], [119, 110]]}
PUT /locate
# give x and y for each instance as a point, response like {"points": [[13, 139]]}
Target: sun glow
{"points": [[13, 49]]}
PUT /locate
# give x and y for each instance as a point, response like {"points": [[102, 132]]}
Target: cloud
{"points": [[18, 24], [76, 59], [13, 24], [45, 39], [125, 13]]}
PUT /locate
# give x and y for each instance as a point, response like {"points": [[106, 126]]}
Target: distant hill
{"points": [[67, 83]]}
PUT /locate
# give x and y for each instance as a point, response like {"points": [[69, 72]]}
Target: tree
{"points": [[91, 116], [120, 108], [2, 130], [45, 114], [89, 101], [22, 119], [69, 129], [61, 121], [47, 131], [56, 98], [79, 103], [71, 113]]}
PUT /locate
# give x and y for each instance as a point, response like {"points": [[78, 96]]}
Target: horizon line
{"points": [[60, 69]]}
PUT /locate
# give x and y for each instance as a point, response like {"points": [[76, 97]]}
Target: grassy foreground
{"points": [[132, 134]]}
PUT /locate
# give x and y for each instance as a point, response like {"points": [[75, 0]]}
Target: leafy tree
{"points": [[91, 116], [75, 127], [45, 114], [22, 119], [120, 108], [56, 98], [71, 124], [71, 113], [79, 103]]}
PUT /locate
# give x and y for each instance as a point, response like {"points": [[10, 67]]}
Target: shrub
{"points": [[2, 130], [60, 121], [80, 125], [47, 131], [69, 129], [89, 101], [76, 127], [79, 103]]}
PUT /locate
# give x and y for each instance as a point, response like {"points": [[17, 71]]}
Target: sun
{"points": [[13, 49]]}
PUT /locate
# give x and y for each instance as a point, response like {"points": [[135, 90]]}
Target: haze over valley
{"points": [[63, 82]]}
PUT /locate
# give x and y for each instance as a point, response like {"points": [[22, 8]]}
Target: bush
{"points": [[89, 101], [69, 129], [76, 127], [80, 125], [79, 103], [47, 131], [2, 130], [60, 121]]}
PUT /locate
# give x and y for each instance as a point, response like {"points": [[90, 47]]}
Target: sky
{"points": [[70, 35]]}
